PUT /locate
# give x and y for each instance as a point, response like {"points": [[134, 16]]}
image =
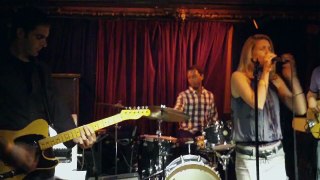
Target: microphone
{"points": [[279, 59]]}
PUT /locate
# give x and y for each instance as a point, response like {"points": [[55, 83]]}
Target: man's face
{"points": [[35, 40], [194, 78]]}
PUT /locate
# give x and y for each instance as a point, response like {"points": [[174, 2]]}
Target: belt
{"points": [[262, 153]]}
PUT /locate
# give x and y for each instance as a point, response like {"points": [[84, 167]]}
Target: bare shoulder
{"points": [[238, 76], [238, 80]]}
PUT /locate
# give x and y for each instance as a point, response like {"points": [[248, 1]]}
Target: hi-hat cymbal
{"points": [[167, 114]]}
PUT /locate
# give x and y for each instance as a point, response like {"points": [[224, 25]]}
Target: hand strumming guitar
{"points": [[20, 155]]}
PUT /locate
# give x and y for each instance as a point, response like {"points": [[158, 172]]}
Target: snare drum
{"points": [[149, 153], [190, 167]]}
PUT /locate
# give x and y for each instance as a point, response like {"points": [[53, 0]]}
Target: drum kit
{"points": [[161, 157]]}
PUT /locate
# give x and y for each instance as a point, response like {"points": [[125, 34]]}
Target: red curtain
{"points": [[144, 63]]}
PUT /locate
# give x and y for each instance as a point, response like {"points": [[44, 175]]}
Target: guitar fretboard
{"points": [[74, 133]]}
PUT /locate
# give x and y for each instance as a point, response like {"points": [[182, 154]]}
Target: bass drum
{"points": [[190, 167]]}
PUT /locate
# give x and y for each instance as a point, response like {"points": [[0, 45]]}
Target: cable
{"points": [[94, 168], [82, 161]]}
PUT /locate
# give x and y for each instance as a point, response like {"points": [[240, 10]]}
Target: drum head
{"points": [[193, 171], [192, 167]]}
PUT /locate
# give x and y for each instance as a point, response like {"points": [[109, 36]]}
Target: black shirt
{"points": [[26, 90]]}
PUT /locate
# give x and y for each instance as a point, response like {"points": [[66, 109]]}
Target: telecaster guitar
{"points": [[37, 135], [310, 124]]}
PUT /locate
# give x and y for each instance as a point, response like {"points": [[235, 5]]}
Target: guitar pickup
{"points": [[311, 123]]}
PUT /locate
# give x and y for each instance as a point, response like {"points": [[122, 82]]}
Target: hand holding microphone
{"points": [[287, 63]]}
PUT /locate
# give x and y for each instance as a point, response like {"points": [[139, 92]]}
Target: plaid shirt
{"points": [[202, 110]]}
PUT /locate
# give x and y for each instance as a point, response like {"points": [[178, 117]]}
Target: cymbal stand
{"points": [[224, 161], [116, 148], [160, 150], [118, 105], [160, 164], [153, 175]]}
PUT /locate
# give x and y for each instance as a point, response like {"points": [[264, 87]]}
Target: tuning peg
{"points": [[162, 106]]}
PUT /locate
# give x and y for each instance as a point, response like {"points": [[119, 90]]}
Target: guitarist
{"points": [[312, 97], [26, 94]]}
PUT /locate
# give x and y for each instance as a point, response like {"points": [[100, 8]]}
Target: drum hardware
{"points": [[224, 161], [211, 157], [161, 113], [162, 152], [153, 176], [119, 107], [148, 161], [222, 147], [116, 148], [189, 146]]}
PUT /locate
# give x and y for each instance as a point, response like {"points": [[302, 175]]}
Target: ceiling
{"points": [[225, 10]]}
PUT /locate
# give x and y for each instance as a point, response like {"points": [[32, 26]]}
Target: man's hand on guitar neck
{"points": [[87, 137]]}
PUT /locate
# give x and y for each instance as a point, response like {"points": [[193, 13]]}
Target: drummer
{"points": [[198, 103]]}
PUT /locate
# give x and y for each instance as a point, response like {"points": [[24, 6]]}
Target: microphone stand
{"points": [[256, 115]]}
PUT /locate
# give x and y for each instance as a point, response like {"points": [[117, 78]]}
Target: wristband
{"points": [[298, 94]]}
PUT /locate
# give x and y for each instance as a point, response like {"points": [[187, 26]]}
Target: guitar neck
{"points": [[74, 133]]}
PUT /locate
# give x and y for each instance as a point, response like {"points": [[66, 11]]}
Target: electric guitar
{"points": [[37, 135], [309, 124]]}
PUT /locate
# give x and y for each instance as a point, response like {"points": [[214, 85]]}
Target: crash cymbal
{"points": [[167, 114]]}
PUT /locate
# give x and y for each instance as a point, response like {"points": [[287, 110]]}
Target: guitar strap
{"points": [[41, 75]]}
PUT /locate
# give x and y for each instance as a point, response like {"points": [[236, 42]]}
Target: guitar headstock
{"points": [[135, 113]]}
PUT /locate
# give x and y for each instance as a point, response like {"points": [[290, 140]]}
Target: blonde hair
{"points": [[246, 65]]}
